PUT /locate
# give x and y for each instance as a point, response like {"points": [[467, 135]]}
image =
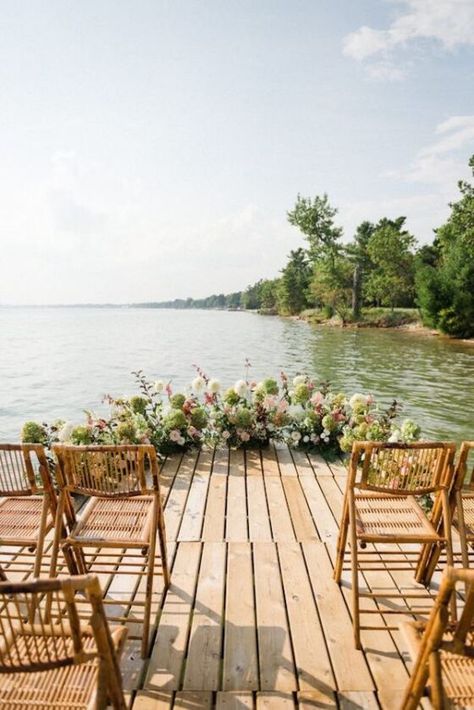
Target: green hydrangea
{"points": [[177, 401], [81, 436], [243, 418], [175, 419], [231, 397], [270, 386], [375, 432], [199, 417], [126, 433], [328, 422], [33, 433], [138, 404], [346, 441], [301, 393]]}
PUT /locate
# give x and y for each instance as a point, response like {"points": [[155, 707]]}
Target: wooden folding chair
{"points": [[27, 498], [463, 493], [53, 658], [380, 506], [443, 652], [123, 511]]}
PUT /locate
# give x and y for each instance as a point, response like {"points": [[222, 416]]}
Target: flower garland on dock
{"points": [[300, 412]]}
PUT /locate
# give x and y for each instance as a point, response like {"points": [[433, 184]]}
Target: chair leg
{"points": [[41, 536], [462, 530], [355, 575], [163, 549], [149, 580], [341, 541]]}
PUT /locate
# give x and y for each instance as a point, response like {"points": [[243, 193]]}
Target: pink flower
{"points": [[244, 435], [168, 390], [175, 435], [317, 398]]}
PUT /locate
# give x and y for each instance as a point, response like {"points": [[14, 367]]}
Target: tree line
{"points": [[381, 266]]}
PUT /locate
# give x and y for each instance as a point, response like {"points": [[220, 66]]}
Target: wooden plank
{"points": [[236, 519], [349, 665], [353, 700], [236, 462], [338, 467], [193, 517], [325, 521], [309, 699], [277, 669], [280, 520], [166, 663], [312, 660], [301, 517], [187, 700], [168, 472], [240, 640], [204, 462], [270, 462], [275, 701], [221, 462], [333, 495], [234, 701], [205, 641], [253, 463], [153, 700], [214, 517], [285, 462], [320, 465], [259, 521], [303, 466], [176, 501]]}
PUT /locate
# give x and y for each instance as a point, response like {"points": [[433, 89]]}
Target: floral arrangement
{"points": [[301, 413]]}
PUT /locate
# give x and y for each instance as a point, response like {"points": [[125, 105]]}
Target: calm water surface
{"points": [[56, 362]]}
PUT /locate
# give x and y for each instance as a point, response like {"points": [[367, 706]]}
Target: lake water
{"points": [[55, 362]]}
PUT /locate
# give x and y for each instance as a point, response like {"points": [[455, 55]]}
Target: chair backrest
{"points": [[41, 627], [107, 471], [401, 469], [24, 470], [465, 466], [441, 634]]}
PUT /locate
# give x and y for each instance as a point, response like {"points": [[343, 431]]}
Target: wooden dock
{"points": [[252, 618]]}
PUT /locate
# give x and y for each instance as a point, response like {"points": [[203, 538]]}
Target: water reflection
{"points": [[56, 362]]}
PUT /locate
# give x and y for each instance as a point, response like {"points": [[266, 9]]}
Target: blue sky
{"points": [[151, 149]]}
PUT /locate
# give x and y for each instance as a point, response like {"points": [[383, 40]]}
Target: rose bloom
{"points": [[175, 435], [244, 435]]}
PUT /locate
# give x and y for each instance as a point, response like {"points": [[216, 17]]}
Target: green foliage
{"points": [[138, 404], [391, 282], [81, 435], [177, 401], [446, 286], [175, 419], [294, 283], [315, 218], [199, 417], [33, 433]]}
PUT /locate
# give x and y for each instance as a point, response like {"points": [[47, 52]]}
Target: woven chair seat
{"points": [[382, 516], [20, 519], [468, 512], [72, 686], [457, 670], [115, 519]]}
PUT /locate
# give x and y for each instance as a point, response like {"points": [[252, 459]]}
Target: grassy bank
{"points": [[370, 318]]}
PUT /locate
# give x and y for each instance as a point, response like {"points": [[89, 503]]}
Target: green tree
{"points": [[445, 289], [315, 218], [357, 252], [294, 283], [391, 281]]}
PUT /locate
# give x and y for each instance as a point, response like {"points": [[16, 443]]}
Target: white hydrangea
{"points": [[64, 434], [159, 386], [296, 412], [241, 388], [358, 399], [198, 384], [214, 386], [298, 380]]}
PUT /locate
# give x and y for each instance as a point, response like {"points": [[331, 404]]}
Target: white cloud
{"points": [[449, 23]]}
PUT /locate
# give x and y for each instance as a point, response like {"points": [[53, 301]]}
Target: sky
{"points": [[150, 149]]}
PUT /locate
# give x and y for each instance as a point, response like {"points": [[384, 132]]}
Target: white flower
{"points": [[358, 400], [306, 439], [394, 437], [241, 388], [181, 441], [64, 433], [298, 380], [214, 386], [295, 435], [225, 434], [159, 386], [296, 412], [198, 384]]}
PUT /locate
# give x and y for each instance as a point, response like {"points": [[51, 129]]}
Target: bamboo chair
{"points": [[443, 653], [463, 494], [27, 498], [380, 507], [123, 511], [54, 660]]}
